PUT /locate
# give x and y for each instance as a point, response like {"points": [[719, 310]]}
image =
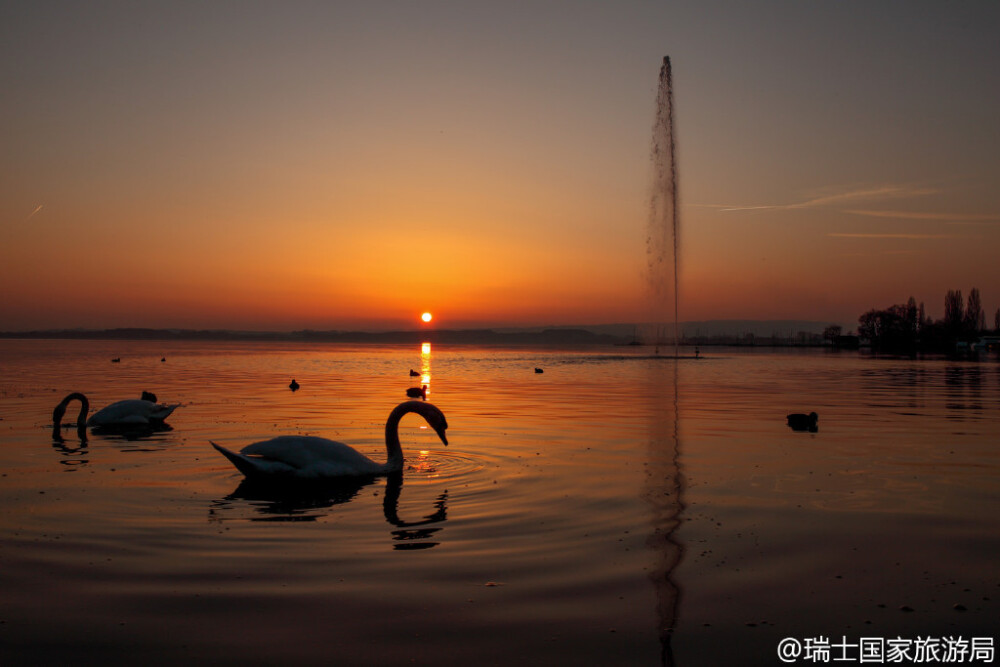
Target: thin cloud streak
{"points": [[870, 193], [943, 217], [32, 214], [917, 237]]}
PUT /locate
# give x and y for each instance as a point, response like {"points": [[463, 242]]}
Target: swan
{"points": [[310, 457], [132, 412], [803, 422]]}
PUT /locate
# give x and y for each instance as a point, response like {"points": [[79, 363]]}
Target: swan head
{"points": [[434, 417]]}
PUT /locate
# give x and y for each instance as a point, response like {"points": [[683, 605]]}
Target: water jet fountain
{"points": [[662, 240]]}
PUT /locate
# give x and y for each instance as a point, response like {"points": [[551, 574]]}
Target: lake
{"points": [[617, 508]]}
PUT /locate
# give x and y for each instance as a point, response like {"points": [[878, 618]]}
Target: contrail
{"points": [[32, 214]]}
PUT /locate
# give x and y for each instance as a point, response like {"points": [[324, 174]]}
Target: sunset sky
{"points": [[350, 165]]}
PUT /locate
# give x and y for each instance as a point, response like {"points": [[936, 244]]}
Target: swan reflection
{"points": [[72, 457], [132, 433], [309, 501], [132, 438]]}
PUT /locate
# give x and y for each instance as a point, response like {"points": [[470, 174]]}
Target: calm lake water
{"points": [[615, 509]]}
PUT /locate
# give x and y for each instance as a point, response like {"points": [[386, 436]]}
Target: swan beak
{"points": [[444, 438]]}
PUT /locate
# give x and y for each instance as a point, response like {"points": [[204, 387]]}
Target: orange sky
{"points": [[315, 166]]}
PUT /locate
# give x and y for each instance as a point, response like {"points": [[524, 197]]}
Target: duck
{"points": [[539, 370], [414, 374], [130, 412], [417, 392], [803, 422], [293, 385], [314, 458]]}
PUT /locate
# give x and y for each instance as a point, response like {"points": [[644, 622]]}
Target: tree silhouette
{"points": [[904, 329], [975, 320], [954, 313]]}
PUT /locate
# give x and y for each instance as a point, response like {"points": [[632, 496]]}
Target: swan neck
{"points": [[394, 450], [81, 419]]}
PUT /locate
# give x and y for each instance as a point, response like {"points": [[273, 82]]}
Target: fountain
{"points": [[666, 483], [662, 241]]}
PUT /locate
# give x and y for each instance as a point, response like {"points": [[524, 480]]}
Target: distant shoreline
{"points": [[544, 336], [472, 336]]}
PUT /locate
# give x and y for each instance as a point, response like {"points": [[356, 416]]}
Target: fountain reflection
{"points": [[664, 493], [304, 501]]}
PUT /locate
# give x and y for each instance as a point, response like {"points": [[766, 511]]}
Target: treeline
{"points": [[905, 328]]}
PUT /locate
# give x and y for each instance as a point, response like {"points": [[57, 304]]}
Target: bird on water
{"points": [[143, 411], [799, 421], [315, 458]]}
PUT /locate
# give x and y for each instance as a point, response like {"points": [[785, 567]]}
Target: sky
{"points": [[347, 165]]}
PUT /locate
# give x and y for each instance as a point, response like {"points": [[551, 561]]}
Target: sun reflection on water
{"points": [[425, 366]]}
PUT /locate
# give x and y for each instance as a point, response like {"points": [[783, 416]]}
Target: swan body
{"points": [[133, 412], [311, 457]]}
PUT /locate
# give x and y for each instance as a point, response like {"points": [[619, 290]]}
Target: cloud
{"points": [[32, 214], [868, 193], [917, 237], [943, 217]]}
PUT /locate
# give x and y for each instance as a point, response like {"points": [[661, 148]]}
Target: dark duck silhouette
{"points": [[293, 385], [539, 370], [414, 374], [803, 422], [417, 392]]}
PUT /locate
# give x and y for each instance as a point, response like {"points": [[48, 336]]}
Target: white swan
{"points": [[310, 457], [133, 412]]}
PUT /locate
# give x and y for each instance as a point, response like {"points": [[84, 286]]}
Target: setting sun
{"points": [[426, 317]]}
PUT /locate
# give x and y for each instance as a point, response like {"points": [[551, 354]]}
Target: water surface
{"points": [[615, 509]]}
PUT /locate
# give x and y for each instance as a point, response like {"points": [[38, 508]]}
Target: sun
{"points": [[427, 317]]}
